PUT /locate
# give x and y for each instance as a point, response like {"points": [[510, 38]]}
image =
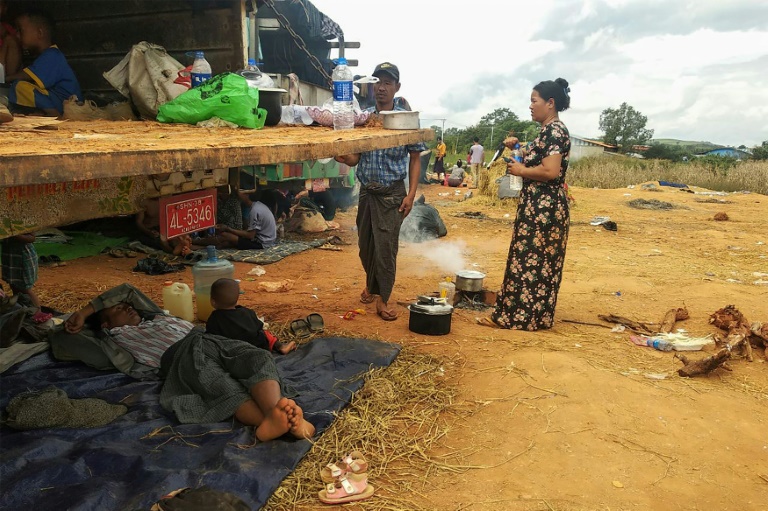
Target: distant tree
{"points": [[760, 152], [624, 127]]}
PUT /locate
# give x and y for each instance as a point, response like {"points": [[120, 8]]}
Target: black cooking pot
{"points": [[271, 100], [430, 319]]}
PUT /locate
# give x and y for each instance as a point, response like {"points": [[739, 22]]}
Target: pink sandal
{"points": [[348, 488], [354, 463]]}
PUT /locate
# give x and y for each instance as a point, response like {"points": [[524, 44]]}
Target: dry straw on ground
{"points": [[397, 420]]}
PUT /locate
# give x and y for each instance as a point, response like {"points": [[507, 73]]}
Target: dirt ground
{"points": [[574, 417]]}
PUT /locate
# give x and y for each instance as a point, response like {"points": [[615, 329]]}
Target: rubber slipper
{"points": [[129, 253], [300, 328], [315, 322], [116, 252], [354, 463], [366, 297], [387, 315], [351, 488], [486, 321]]}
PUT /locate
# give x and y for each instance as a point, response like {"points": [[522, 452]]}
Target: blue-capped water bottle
{"points": [[201, 69], [343, 106], [660, 344]]}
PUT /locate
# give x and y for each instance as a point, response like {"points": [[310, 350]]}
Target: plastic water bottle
{"points": [[343, 107], [516, 154], [660, 344], [201, 69]]}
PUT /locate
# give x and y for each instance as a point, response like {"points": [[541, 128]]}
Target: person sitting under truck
{"points": [[207, 378], [148, 225], [48, 81], [261, 226]]}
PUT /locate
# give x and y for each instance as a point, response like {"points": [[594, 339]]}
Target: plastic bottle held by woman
{"points": [[201, 69], [177, 300], [343, 97]]}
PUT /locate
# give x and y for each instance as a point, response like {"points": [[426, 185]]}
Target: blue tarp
{"points": [[114, 467]]}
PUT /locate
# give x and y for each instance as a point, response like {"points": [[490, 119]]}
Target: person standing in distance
{"points": [[477, 158], [384, 202], [439, 155]]}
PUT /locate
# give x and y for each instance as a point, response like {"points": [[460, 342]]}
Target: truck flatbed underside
{"points": [[74, 151]]}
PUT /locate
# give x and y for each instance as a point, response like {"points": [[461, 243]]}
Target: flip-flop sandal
{"points": [[116, 252], [387, 315], [351, 488], [129, 253], [300, 328], [315, 322], [354, 463], [366, 297], [486, 321]]}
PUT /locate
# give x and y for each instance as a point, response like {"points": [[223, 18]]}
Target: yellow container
{"points": [[177, 299], [447, 290]]}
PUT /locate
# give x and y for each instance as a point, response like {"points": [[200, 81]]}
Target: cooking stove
{"points": [[474, 300]]}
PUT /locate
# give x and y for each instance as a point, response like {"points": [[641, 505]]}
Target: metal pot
{"points": [[270, 99], [430, 319], [469, 280]]}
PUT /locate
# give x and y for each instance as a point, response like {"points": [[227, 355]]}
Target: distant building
{"points": [[727, 152], [585, 147]]}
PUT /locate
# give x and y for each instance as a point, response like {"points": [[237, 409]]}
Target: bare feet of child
{"points": [[276, 423], [285, 347], [298, 426]]}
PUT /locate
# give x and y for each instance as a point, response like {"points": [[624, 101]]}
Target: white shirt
{"points": [[477, 154]]}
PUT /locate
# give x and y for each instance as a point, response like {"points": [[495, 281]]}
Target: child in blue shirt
{"points": [[48, 81]]}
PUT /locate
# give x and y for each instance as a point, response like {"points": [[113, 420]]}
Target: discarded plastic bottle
{"points": [[343, 107], [201, 69], [660, 344]]}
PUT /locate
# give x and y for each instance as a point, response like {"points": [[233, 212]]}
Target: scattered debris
{"points": [[713, 201], [276, 287], [257, 270], [673, 315], [471, 214], [721, 217], [650, 204], [599, 220], [639, 328], [741, 335]]}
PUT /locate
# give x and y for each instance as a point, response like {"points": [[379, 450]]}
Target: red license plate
{"points": [[186, 213]]}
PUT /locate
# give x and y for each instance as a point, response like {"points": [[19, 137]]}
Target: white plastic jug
{"points": [[177, 299]]}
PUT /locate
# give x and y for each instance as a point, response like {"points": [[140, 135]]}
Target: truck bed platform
{"points": [[76, 150]]}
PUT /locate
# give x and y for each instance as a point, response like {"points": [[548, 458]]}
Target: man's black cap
{"points": [[389, 68]]}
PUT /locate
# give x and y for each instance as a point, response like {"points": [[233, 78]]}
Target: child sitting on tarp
{"points": [[48, 81], [237, 322]]}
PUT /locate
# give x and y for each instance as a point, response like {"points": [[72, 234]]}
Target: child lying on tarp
{"points": [[207, 378]]}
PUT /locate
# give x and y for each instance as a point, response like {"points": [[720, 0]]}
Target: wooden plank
{"points": [[104, 149]]}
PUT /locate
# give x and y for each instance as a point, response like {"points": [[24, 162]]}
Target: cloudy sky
{"points": [[697, 69]]}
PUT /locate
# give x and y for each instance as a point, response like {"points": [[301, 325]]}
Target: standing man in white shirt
{"points": [[477, 158]]}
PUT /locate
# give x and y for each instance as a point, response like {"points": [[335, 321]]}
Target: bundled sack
{"points": [[226, 96], [146, 76]]}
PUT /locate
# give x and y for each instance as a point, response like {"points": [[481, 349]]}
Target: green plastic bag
{"points": [[226, 96]]}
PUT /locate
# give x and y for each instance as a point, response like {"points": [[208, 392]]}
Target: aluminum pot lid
{"points": [[470, 274], [434, 310]]}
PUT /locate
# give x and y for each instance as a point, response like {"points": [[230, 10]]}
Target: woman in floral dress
{"points": [[534, 270]]}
